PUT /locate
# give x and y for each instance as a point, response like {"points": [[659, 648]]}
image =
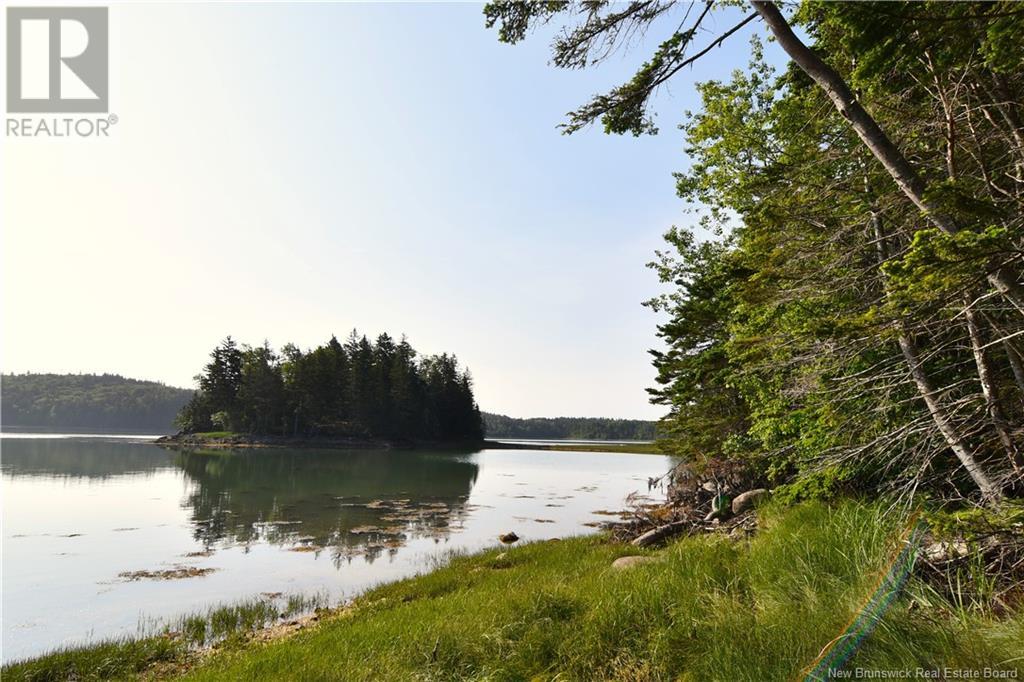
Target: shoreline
{"points": [[231, 441]]}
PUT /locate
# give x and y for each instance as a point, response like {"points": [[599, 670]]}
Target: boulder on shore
{"points": [[630, 561], [748, 500]]}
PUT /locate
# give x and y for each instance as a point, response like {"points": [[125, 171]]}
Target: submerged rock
{"points": [[198, 554], [176, 573], [377, 530]]}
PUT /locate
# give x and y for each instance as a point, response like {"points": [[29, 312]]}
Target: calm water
{"points": [[77, 512]]}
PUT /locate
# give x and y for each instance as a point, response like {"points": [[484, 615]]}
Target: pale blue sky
{"points": [[291, 171]]}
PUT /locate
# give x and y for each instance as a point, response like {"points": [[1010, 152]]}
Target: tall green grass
{"points": [[712, 609], [110, 660], [160, 642]]}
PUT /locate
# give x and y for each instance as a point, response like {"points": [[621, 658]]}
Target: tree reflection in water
{"points": [[350, 503]]}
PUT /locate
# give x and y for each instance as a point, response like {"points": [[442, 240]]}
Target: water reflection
{"points": [[81, 514], [93, 458], [346, 503], [350, 503]]}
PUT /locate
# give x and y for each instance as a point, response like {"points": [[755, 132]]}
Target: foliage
{"points": [[360, 389], [93, 401], [845, 310], [570, 428], [833, 278]]}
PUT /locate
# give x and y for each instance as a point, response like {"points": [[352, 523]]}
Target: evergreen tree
{"points": [[222, 377], [361, 388], [260, 397]]}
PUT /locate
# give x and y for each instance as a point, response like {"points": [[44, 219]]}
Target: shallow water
{"points": [[80, 511]]}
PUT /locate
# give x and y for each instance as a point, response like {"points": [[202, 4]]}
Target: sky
{"points": [[288, 172]]}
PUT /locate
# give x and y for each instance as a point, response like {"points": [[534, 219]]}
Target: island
{"points": [[360, 393]]}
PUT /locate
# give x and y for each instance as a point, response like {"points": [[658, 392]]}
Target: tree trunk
{"points": [[1012, 354], [1016, 364], [1004, 102], [873, 137], [996, 416], [990, 493], [989, 389]]}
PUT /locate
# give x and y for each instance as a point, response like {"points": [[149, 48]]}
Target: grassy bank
{"points": [[710, 608]]}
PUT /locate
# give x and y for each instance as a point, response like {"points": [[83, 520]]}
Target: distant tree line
{"points": [[90, 401], [572, 428], [359, 388]]}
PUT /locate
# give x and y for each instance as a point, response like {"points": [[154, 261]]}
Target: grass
{"points": [[710, 609], [216, 434], [169, 644], [110, 660], [220, 623]]}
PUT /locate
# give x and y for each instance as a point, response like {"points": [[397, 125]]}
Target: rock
{"points": [[630, 561], [508, 538], [502, 560], [176, 573], [945, 551], [748, 500]]}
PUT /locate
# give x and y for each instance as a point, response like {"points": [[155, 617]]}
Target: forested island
{"points": [[360, 389], [88, 401], [569, 428]]}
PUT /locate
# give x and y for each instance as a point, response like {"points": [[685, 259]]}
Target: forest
{"points": [[88, 401], [571, 428], [362, 388], [844, 308]]}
